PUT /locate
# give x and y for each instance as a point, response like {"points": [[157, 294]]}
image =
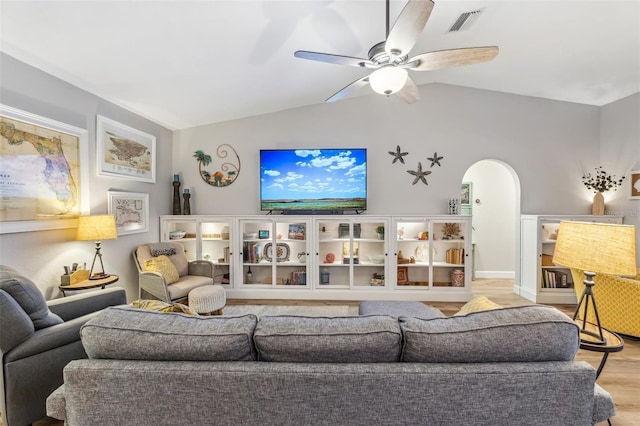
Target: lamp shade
{"points": [[388, 79], [601, 248], [97, 228]]}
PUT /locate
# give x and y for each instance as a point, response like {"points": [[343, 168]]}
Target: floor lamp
{"points": [[97, 228], [595, 248]]}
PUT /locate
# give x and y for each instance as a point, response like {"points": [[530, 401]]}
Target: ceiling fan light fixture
{"points": [[388, 79]]}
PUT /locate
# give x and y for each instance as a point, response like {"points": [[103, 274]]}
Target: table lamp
{"points": [[595, 248], [97, 228]]}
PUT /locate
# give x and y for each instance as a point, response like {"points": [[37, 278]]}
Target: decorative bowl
{"points": [[376, 258], [176, 235]]}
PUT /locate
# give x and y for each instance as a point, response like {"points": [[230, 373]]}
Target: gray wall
{"points": [[41, 255], [548, 144]]}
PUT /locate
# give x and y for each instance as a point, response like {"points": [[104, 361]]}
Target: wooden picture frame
{"points": [[44, 172], [634, 185], [125, 152], [403, 275], [131, 211]]}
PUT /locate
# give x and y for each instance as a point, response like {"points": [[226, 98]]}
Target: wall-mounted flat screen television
{"points": [[313, 180]]}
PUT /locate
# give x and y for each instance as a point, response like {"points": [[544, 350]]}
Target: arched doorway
{"points": [[495, 208]]}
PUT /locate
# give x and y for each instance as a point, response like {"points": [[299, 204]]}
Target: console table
{"points": [[88, 284]]}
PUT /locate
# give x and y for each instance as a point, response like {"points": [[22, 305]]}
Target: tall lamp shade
{"points": [[97, 228], [595, 248]]}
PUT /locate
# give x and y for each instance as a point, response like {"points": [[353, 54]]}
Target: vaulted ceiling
{"points": [[188, 63]]}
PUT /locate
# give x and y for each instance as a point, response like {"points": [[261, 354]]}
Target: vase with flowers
{"points": [[600, 182]]}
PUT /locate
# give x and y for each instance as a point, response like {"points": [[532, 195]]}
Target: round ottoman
{"points": [[208, 300]]}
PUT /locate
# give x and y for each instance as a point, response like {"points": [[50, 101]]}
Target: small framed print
{"points": [[125, 152], [131, 211], [634, 185], [263, 234], [403, 275]]}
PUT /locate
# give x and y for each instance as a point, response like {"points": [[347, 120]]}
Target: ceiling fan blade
{"points": [[408, 27], [346, 91], [332, 59], [453, 58], [409, 93]]}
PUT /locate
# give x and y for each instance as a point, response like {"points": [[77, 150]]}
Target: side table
{"points": [[613, 343], [88, 284]]}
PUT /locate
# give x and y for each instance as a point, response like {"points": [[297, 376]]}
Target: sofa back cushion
{"points": [[28, 296], [375, 338], [179, 259], [520, 334], [123, 332]]}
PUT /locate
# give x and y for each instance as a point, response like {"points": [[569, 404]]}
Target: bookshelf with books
{"points": [[542, 281]]}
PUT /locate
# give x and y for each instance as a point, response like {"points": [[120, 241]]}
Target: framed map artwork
{"points": [[44, 172], [131, 211], [125, 152]]}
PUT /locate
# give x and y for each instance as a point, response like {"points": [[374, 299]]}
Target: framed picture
{"points": [[403, 275], [465, 193], [634, 184], [44, 172], [131, 211], [125, 152], [296, 231]]}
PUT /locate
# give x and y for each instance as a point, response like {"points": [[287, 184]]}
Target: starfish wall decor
{"points": [[435, 160], [397, 155], [419, 174]]}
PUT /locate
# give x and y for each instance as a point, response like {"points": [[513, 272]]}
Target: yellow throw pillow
{"points": [[157, 305], [163, 265], [477, 304]]}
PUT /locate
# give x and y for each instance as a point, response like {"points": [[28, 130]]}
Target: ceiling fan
{"points": [[390, 59]]}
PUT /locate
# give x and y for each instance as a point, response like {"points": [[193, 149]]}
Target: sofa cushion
{"points": [[123, 332], [163, 265], [375, 338], [399, 308], [158, 305], [28, 296], [519, 334], [477, 304]]}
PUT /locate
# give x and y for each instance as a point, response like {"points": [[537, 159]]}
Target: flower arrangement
{"points": [[601, 181]]}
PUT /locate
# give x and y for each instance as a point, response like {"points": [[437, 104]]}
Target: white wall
{"points": [[620, 153], [494, 219], [41, 255]]}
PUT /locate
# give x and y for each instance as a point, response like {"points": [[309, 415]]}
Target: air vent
{"points": [[464, 20]]}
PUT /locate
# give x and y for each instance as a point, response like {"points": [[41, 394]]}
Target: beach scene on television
{"points": [[313, 179]]}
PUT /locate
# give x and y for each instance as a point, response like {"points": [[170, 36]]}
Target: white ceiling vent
{"points": [[465, 20]]}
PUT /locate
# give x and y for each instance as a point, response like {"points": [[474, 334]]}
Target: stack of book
{"points": [[455, 256]]}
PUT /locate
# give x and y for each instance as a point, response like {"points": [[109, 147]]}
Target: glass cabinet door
{"points": [[350, 253], [413, 254], [450, 253], [183, 230], [216, 236]]}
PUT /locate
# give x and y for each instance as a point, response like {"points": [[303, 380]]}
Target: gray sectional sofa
{"points": [[512, 366]]}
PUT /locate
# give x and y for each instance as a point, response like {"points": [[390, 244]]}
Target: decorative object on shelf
{"points": [[249, 276], [329, 258], [177, 209], [263, 234], [465, 194], [377, 279], [435, 159], [419, 174], [401, 259], [131, 211], [223, 165], [600, 181], [397, 155], [302, 257], [424, 235], [403, 275], [343, 230], [177, 235], [401, 233], [422, 252], [296, 231], [595, 248], [63, 194], [457, 278], [97, 228], [282, 252], [378, 259], [380, 232], [450, 230], [634, 184], [187, 205], [454, 206], [125, 152], [324, 276]]}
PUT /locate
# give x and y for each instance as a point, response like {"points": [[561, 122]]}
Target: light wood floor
{"points": [[621, 375]]}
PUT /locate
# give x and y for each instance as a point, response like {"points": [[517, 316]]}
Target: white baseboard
{"points": [[496, 275]]}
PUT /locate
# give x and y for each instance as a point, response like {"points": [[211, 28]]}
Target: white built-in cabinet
{"points": [[342, 257], [540, 280]]}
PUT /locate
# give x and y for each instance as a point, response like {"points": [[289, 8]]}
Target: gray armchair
{"points": [[37, 340], [154, 285]]}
